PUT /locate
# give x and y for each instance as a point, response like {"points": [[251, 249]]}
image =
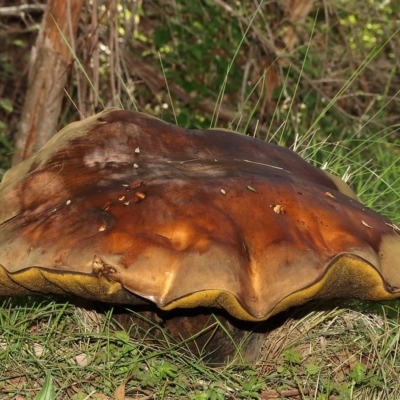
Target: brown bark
{"points": [[50, 60]]}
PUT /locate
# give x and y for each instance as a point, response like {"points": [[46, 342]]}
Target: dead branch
{"points": [[17, 11]]}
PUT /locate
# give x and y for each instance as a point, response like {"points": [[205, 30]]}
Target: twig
{"points": [[17, 11], [274, 394]]}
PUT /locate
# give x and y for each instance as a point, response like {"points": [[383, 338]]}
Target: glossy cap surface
{"points": [[122, 206]]}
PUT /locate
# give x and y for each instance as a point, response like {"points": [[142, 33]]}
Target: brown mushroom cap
{"points": [[123, 206]]}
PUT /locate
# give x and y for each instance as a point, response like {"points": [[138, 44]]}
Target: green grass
{"points": [[347, 352], [90, 359], [342, 351]]}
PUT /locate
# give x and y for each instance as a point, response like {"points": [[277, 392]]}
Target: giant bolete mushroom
{"points": [[124, 208]]}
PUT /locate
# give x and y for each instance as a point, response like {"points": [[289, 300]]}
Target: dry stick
{"points": [[17, 11], [130, 24], [113, 44], [246, 73], [274, 394], [94, 50]]}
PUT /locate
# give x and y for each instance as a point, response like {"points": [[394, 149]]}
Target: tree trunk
{"points": [[51, 58]]}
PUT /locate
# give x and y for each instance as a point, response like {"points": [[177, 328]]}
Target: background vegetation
{"points": [[320, 77]]}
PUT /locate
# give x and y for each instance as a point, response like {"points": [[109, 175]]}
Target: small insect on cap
{"points": [[123, 207]]}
